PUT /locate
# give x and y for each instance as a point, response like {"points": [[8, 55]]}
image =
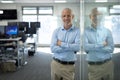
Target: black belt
{"points": [[98, 63], [64, 62]]}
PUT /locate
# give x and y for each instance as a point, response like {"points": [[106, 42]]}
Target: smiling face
{"points": [[67, 18]]}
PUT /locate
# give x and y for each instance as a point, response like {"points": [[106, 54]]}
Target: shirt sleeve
{"points": [[99, 46], [72, 46], [91, 46], [53, 46], [110, 44]]}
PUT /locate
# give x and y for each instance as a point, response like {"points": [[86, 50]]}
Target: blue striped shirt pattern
{"points": [[93, 43]]}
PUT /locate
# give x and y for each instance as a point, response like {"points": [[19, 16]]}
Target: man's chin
{"points": [[67, 24]]}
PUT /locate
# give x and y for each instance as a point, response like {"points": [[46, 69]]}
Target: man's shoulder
{"points": [[57, 30]]}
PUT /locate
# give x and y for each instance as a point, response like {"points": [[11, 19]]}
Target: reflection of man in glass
{"points": [[98, 46]]}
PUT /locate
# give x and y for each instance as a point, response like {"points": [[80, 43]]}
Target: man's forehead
{"points": [[95, 11], [66, 13]]}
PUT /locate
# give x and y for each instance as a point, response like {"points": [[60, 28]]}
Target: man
{"points": [[65, 42], [98, 46]]}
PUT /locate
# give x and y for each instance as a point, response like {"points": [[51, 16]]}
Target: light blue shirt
{"points": [[93, 45], [70, 43]]}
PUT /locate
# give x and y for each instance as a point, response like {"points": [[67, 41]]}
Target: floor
{"points": [[38, 67], [44, 49]]}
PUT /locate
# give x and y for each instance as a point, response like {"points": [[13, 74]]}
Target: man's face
{"points": [[67, 18], [93, 18], [96, 17]]}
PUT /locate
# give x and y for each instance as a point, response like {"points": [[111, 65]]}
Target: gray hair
{"points": [[68, 9]]}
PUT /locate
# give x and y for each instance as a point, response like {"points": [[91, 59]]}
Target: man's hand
{"points": [[58, 42]]}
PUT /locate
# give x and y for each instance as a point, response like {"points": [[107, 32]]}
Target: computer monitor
{"points": [[31, 30], [35, 24], [8, 14], [23, 25], [12, 23], [11, 31]]}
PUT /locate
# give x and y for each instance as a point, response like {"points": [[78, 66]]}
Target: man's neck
{"points": [[67, 26]]}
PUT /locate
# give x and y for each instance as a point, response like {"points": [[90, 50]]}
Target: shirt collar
{"points": [[71, 28], [97, 28]]}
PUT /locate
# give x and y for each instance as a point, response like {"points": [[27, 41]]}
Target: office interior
{"points": [[33, 55]]}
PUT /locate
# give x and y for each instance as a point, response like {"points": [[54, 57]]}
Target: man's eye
{"points": [[64, 16]]}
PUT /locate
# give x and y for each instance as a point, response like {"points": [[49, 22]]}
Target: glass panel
{"points": [[29, 10], [113, 22], [101, 41], [45, 10], [97, 49]]}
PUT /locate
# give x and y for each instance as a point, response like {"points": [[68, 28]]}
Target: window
{"points": [[46, 10], [41, 14], [29, 10], [115, 10], [29, 14]]}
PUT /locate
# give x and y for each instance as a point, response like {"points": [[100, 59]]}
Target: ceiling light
{"points": [[101, 0], [7, 1], [60, 1], [1, 11]]}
